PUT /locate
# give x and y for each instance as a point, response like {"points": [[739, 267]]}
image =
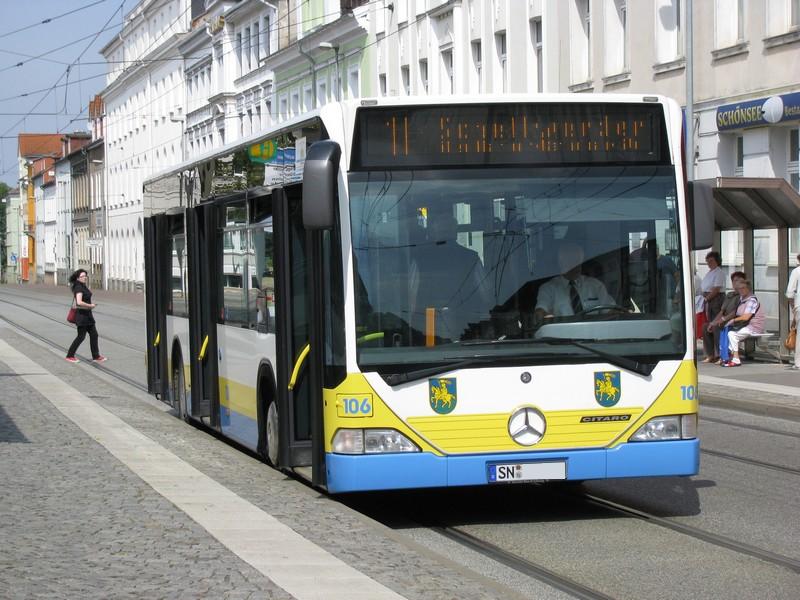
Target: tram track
{"points": [[520, 564], [750, 427], [751, 461], [64, 324], [538, 572], [695, 532], [100, 366]]}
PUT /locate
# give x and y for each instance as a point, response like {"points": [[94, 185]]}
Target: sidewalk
{"points": [[756, 387]]}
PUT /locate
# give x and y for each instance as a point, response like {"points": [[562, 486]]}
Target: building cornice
{"points": [[136, 12], [141, 66]]}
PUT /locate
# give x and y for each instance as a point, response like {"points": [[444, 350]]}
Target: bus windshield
{"points": [[452, 264]]}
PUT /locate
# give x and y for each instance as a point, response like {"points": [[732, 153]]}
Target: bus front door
{"points": [[157, 277], [203, 257], [292, 329]]}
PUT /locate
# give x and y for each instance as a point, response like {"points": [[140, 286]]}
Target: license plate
{"points": [[538, 471]]}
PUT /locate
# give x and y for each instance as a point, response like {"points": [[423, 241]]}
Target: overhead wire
{"points": [[51, 19], [285, 23], [62, 76]]}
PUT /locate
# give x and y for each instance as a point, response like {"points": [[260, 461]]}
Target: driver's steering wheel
{"points": [[614, 307]]}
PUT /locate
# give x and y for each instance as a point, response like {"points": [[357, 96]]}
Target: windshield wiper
{"points": [[394, 379], [616, 360], [622, 362]]}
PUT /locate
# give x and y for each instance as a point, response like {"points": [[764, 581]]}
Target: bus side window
{"points": [[261, 298], [233, 280]]}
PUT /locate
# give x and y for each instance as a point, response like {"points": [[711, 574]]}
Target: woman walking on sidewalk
{"points": [[84, 318]]}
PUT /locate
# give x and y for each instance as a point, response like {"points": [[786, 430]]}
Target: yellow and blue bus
{"points": [[407, 293]]}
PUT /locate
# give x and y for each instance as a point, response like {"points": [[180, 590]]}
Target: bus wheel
{"points": [[273, 442], [179, 387]]}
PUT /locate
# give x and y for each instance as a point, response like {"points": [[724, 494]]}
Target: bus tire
{"points": [[268, 438], [178, 385], [271, 432]]}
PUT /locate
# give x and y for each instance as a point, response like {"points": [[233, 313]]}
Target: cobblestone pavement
{"points": [[76, 523]]}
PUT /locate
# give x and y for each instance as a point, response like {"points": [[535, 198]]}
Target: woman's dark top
{"points": [[84, 318]]}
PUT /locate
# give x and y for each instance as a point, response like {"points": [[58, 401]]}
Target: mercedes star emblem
{"points": [[527, 426]]}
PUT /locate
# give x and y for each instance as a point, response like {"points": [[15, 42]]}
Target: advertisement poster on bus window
{"points": [[283, 163]]}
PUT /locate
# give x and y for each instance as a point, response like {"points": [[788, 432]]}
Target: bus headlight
{"points": [[371, 441], [379, 441], [677, 427]]}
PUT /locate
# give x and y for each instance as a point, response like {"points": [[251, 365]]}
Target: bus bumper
{"points": [[348, 473]]}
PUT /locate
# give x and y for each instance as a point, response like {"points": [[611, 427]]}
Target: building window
{"points": [[256, 46], [739, 156], [447, 72], [246, 51], [353, 83], [669, 30], [477, 65], [729, 23], [500, 43], [382, 83], [405, 76], [616, 37], [423, 74], [536, 41], [239, 48], [581, 37], [266, 34], [782, 16]]}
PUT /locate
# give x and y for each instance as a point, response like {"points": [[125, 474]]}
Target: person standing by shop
{"points": [[84, 317], [793, 294], [711, 288]]}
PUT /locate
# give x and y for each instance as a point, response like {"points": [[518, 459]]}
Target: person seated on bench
{"points": [[748, 321]]}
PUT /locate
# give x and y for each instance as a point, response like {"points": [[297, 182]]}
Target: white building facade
{"points": [[144, 106], [63, 206], [248, 65]]}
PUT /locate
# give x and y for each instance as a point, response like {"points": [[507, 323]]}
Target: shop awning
{"points": [[753, 202]]}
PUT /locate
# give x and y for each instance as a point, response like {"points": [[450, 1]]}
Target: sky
{"points": [[62, 68]]}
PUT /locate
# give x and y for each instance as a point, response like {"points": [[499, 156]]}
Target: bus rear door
{"points": [[203, 257], [157, 278]]}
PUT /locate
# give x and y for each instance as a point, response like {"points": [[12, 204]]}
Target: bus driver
{"points": [[571, 292]]}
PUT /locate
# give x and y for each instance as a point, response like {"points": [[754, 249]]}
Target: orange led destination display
{"points": [[509, 134]]}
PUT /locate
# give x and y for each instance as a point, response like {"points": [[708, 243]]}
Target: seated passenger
{"points": [[449, 278], [728, 311], [748, 320], [571, 292]]}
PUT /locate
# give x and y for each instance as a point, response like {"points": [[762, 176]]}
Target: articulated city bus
{"points": [[418, 292]]}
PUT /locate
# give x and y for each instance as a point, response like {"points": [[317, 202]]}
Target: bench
{"points": [[760, 341]]}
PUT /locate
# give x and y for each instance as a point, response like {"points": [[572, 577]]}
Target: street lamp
{"points": [[335, 48]]}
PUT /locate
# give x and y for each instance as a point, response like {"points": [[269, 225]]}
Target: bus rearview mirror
{"points": [[320, 184], [701, 214]]}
